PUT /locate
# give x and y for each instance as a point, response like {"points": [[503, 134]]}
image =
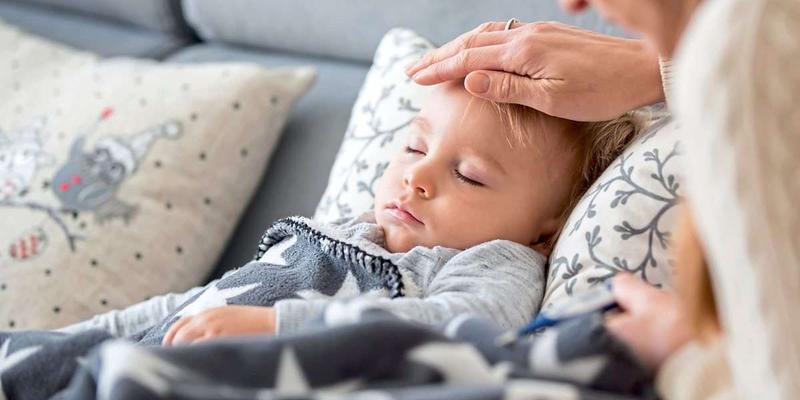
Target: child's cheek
{"points": [[390, 181], [383, 190]]}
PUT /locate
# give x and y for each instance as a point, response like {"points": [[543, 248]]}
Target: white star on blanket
{"points": [[123, 360], [214, 297], [274, 254], [291, 379]]}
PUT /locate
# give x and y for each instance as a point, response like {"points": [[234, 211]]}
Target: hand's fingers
{"points": [[620, 325], [504, 87], [203, 338], [167, 341], [631, 293], [461, 64], [187, 334], [574, 6], [472, 39]]}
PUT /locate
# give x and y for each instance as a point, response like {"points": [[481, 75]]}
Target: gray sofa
{"points": [[336, 37]]}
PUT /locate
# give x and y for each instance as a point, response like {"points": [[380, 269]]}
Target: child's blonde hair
{"points": [[595, 144]]}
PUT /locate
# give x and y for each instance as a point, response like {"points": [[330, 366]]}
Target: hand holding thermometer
{"points": [[600, 298]]}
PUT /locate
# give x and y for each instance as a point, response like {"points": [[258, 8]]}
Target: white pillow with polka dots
{"points": [[121, 179]]}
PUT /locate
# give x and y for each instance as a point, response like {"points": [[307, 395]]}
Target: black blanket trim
{"points": [[381, 267]]}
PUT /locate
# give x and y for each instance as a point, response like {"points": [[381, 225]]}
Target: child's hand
{"points": [[219, 322]]}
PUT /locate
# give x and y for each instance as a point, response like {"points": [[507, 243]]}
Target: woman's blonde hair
{"points": [[595, 144], [693, 280]]}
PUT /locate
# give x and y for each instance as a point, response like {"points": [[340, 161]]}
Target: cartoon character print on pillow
{"points": [[87, 181], [21, 156]]}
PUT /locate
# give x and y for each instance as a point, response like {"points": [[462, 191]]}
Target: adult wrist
{"points": [[649, 88], [665, 67]]}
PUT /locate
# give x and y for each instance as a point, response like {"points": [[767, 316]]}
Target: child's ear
{"points": [[545, 242], [544, 248]]}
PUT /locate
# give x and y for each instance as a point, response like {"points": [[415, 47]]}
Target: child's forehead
{"points": [[452, 111], [449, 104], [452, 91], [465, 119], [489, 145]]}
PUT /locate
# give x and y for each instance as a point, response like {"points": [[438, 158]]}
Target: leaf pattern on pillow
{"points": [[629, 207], [382, 114]]}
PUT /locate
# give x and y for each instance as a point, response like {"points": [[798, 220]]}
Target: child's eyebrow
{"points": [[425, 127], [489, 159]]}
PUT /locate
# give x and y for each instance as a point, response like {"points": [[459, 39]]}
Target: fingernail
{"points": [[410, 66], [478, 83]]}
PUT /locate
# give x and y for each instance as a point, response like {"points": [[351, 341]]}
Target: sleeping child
{"points": [[464, 218]]}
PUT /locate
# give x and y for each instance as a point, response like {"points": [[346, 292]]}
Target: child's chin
{"points": [[398, 241]]}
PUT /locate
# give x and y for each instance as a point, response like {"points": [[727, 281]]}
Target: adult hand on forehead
{"points": [[558, 69]]}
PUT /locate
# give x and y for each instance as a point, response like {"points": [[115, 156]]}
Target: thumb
{"points": [[573, 6], [630, 292], [620, 325], [504, 87]]}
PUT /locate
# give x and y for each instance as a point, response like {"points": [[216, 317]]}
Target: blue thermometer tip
{"points": [[598, 299]]}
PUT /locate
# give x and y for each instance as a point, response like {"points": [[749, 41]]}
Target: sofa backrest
{"points": [[160, 15], [351, 29]]}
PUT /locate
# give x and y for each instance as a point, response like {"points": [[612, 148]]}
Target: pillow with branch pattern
{"points": [[379, 123], [623, 223]]}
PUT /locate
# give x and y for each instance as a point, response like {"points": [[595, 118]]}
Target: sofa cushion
{"points": [[120, 178], [99, 36], [298, 171], [328, 28], [158, 15]]}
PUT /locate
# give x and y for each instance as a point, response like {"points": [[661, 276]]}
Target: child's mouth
{"points": [[397, 211]]}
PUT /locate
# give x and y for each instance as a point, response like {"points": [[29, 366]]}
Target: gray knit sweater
{"points": [[499, 280]]}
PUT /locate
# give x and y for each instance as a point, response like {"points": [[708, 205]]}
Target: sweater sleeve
{"points": [[135, 318], [499, 280], [665, 66]]}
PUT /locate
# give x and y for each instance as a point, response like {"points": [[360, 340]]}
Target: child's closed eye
{"points": [[412, 150], [465, 179]]}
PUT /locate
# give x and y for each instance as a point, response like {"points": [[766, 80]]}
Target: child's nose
{"points": [[419, 181]]}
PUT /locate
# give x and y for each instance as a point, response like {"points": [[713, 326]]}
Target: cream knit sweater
{"points": [[737, 97]]}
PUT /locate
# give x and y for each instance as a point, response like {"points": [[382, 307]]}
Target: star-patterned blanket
{"points": [[375, 356], [318, 264], [360, 348], [294, 259]]}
